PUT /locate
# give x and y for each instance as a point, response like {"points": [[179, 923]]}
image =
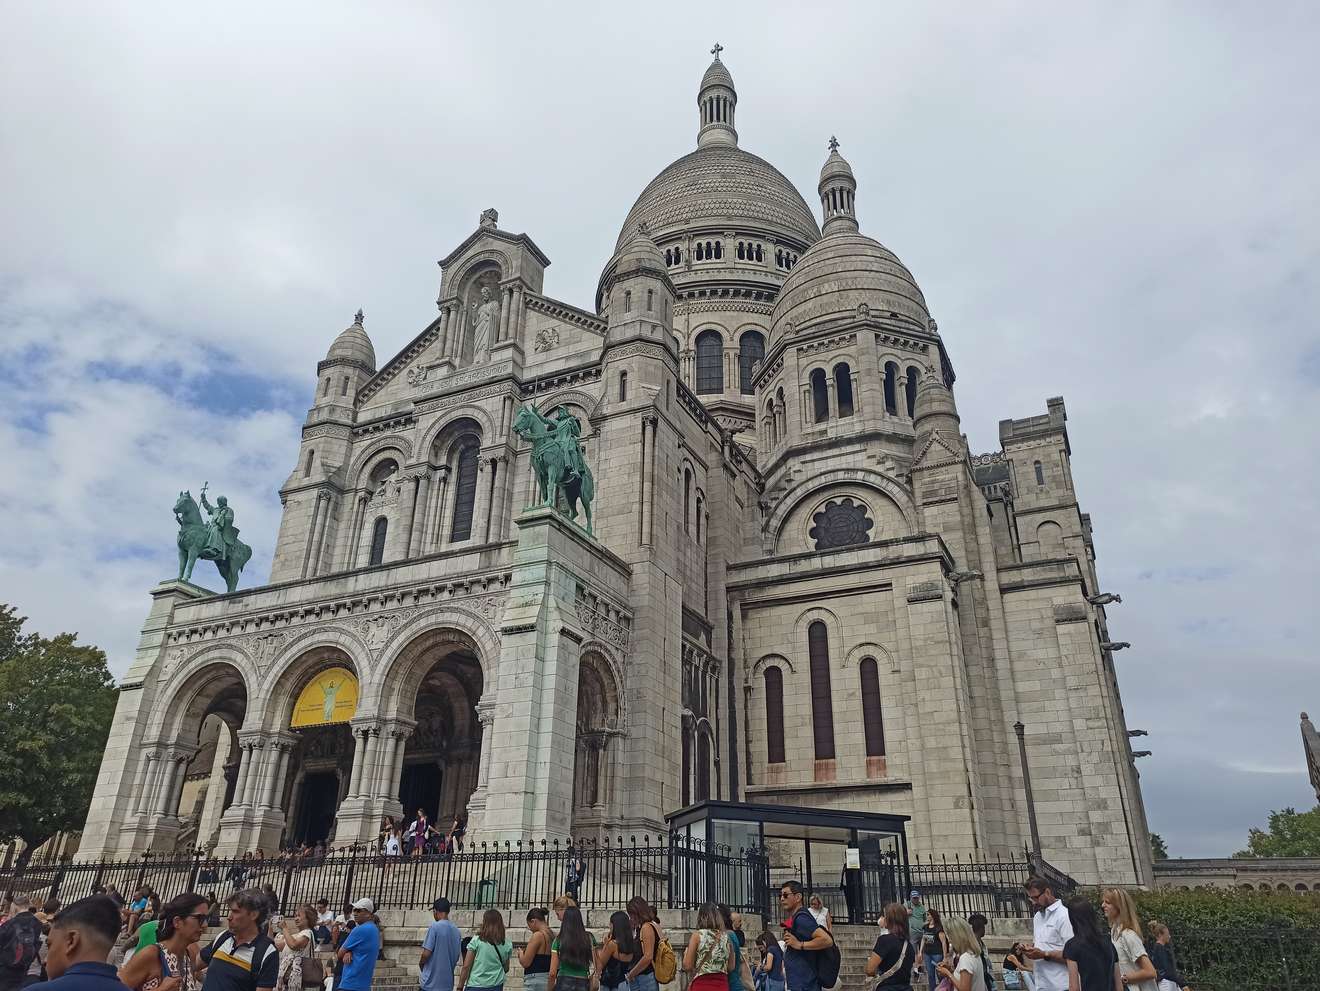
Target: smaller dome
{"points": [[640, 251], [835, 165], [353, 345], [717, 75], [841, 276]]}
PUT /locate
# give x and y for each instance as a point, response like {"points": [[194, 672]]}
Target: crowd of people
{"points": [[109, 943]]}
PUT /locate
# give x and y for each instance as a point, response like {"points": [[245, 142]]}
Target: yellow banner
{"points": [[330, 697]]}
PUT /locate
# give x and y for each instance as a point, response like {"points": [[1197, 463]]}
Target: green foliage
{"points": [[1158, 851], [1291, 834], [1240, 940], [57, 700]]}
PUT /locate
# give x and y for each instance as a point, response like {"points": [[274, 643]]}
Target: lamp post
{"points": [[1020, 730]]}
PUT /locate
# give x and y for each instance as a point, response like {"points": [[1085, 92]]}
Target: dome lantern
{"points": [[717, 102], [837, 189]]}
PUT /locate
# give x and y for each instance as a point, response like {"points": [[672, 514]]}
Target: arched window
{"points": [[820, 402], [1049, 539], [627, 301], [325, 386], [751, 349], [891, 388], [872, 718], [687, 499], [378, 541], [650, 300], [782, 412], [687, 766], [843, 388], [678, 255], [343, 387], [779, 259], [669, 256], [758, 252], [623, 387], [741, 252], [703, 766], [699, 251], [774, 715], [822, 701], [311, 456], [772, 423], [699, 512], [710, 362], [1040, 473], [465, 492], [913, 377]]}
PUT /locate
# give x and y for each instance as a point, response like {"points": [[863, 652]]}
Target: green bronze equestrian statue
{"points": [[215, 541], [562, 475]]}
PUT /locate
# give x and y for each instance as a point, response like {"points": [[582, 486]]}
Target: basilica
{"points": [[797, 587]]}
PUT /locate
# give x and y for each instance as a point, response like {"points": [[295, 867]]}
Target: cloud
{"points": [[1114, 205]]}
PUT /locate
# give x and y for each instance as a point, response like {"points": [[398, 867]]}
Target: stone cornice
{"points": [[563, 311], [400, 361], [519, 240]]}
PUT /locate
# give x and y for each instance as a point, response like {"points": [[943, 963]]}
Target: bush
{"points": [[1241, 940]]}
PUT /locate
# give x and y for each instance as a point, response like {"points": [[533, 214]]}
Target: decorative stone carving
{"points": [[172, 661], [603, 619], [375, 631], [547, 338], [264, 646]]}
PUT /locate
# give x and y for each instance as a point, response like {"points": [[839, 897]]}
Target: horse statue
{"points": [[215, 541], [562, 475]]}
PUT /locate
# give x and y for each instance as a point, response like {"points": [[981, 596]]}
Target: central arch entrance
{"points": [[442, 755]]}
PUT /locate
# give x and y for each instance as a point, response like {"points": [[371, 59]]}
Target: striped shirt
{"points": [[235, 967]]}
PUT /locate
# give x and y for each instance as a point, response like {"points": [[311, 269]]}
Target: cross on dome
{"points": [[357, 317], [716, 50], [834, 143]]}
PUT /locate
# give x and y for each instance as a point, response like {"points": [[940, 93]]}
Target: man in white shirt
{"points": [[1051, 929]]}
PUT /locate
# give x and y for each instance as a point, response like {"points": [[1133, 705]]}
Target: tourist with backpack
{"points": [[710, 955], [811, 960], [657, 964], [20, 943], [243, 957]]}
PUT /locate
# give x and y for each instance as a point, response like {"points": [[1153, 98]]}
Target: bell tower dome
{"points": [[837, 190]]}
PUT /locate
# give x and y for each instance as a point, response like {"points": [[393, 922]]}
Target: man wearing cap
{"points": [[360, 950], [441, 950], [916, 922]]}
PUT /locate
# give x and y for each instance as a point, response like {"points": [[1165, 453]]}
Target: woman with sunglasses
{"points": [[173, 966]]}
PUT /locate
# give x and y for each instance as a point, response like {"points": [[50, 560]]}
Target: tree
{"points": [[1291, 834], [57, 700], [1158, 851]]}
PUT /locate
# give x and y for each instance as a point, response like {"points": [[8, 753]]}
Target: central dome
{"points": [[721, 184]]}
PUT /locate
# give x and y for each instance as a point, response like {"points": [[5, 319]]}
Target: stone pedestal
{"points": [[120, 782], [527, 767]]}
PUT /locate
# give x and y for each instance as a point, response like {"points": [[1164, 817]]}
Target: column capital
{"points": [[365, 726]]}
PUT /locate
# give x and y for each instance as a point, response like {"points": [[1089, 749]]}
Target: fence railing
{"points": [[675, 873], [961, 887]]}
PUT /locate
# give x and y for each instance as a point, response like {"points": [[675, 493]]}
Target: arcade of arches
{"points": [[231, 782]]}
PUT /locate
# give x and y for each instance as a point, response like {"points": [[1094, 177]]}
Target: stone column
{"points": [[402, 732], [442, 338], [180, 759], [355, 775], [808, 407], [457, 325], [506, 307], [317, 508], [486, 717], [355, 538], [372, 734], [275, 779], [149, 773], [418, 536], [831, 398], [398, 550], [500, 469], [481, 511], [165, 785], [900, 395], [255, 750], [519, 313], [432, 540], [645, 483], [855, 378], [323, 525], [649, 424]]}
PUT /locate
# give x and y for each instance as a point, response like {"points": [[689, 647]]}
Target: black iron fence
{"points": [[991, 887], [675, 873]]}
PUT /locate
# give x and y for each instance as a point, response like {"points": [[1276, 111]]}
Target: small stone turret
{"points": [[935, 410], [717, 102], [838, 190], [349, 363]]}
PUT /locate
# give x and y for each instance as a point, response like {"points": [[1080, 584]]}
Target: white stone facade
{"points": [[802, 586]]}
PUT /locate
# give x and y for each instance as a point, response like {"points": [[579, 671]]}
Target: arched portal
{"points": [[593, 759], [443, 754], [211, 774], [320, 761]]}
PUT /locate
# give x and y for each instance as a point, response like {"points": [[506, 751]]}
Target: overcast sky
{"points": [[1116, 203]]}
